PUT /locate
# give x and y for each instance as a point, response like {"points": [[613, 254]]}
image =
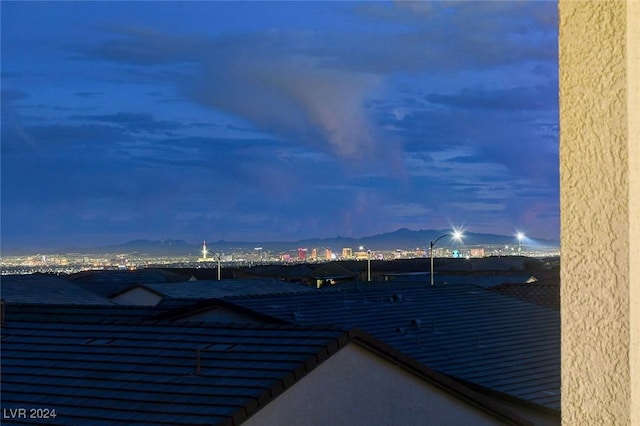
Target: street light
{"points": [[218, 256], [520, 237], [457, 235], [204, 256], [368, 263]]}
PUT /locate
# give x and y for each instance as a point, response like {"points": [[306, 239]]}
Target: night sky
{"points": [[276, 121]]}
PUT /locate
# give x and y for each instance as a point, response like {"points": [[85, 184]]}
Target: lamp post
{"points": [[455, 234], [368, 263], [204, 256], [520, 237], [217, 256]]}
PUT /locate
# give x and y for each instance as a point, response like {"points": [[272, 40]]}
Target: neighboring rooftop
{"points": [[46, 289], [108, 283], [493, 341], [127, 277], [223, 288], [501, 345], [123, 314], [545, 294], [191, 374]]}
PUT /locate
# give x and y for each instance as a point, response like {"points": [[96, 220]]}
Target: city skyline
{"points": [[276, 121]]}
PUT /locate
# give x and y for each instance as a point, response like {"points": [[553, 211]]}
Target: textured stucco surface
{"points": [[357, 388], [633, 117], [599, 174]]}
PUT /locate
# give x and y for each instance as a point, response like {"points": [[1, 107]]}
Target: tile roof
{"points": [[136, 276], [280, 271], [83, 313], [332, 270], [545, 294], [482, 280], [499, 343], [109, 283], [47, 289], [151, 374], [222, 288], [170, 373]]}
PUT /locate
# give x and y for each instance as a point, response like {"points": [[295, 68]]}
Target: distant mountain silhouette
{"points": [[158, 248], [400, 239]]}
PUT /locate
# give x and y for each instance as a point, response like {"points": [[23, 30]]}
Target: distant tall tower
{"points": [[204, 250]]}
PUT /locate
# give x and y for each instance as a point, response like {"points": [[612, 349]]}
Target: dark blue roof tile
{"points": [[168, 373], [478, 336]]}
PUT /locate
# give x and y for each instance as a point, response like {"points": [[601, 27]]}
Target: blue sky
{"points": [[263, 121]]}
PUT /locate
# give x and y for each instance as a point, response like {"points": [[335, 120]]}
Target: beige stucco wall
{"points": [[137, 296], [600, 174], [633, 116], [357, 388]]}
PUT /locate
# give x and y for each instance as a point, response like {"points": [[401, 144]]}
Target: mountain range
{"points": [[400, 239]]}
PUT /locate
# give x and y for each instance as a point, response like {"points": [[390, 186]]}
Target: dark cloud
{"points": [[143, 46], [313, 86], [511, 99], [13, 95], [133, 122], [89, 95], [415, 114]]}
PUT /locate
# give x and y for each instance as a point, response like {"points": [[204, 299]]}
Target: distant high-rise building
{"points": [[328, 254], [204, 250], [347, 253], [314, 254], [302, 254]]}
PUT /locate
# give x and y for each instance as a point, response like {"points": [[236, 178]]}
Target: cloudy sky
{"points": [[263, 121]]}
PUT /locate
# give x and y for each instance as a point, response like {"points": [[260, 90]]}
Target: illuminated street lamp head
{"points": [[520, 237], [457, 235]]}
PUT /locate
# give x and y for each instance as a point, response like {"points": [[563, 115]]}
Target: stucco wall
{"points": [[355, 387], [633, 119], [137, 296], [599, 176]]}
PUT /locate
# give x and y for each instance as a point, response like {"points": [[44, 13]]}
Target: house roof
{"points": [[46, 289], [176, 373], [110, 283], [82, 313], [222, 288], [545, 294], [126, 277], [282, 271], [499, 343], [332, 270]]}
